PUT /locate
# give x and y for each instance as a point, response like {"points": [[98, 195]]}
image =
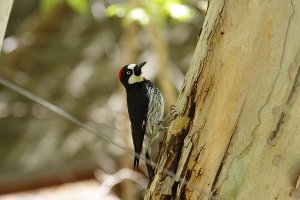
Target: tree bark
{"points": [[238, 132], [5, 9]]}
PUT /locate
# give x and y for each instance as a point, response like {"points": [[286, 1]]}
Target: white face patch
{"points": [[133, 78], [131, 66]]}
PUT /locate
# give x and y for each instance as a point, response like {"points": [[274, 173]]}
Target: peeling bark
{"points": [[237, 135]]}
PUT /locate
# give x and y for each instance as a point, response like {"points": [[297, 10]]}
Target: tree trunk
{"points": [[238, 132], [5, 7]]}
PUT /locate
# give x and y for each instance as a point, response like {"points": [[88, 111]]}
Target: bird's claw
{"points": [[159, 122], [163, 129], [173, 112]]}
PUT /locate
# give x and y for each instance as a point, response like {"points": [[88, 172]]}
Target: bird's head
{"points": [[131, 74]]}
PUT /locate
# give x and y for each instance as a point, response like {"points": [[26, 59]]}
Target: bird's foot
{"points": [[173, 112], [163, 129], [159, 122]]}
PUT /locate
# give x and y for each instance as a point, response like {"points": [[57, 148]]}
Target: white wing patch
{"points": [[154, 115]]}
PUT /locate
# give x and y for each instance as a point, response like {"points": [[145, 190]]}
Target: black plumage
{"points": [[137, 102], [145, 109]]}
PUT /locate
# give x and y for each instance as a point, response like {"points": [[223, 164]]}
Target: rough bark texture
{"points": [[5, 7], [238, 132]]}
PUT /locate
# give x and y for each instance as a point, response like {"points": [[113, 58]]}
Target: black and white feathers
{"points": [[145, 109]]}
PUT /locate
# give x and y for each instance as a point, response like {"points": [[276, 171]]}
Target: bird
{"points": [[145, 109]]}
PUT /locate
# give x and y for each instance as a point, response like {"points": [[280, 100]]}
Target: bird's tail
{"points": [[150, 169], [136, 162]]}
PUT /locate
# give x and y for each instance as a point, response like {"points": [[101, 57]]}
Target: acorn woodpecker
{"points": [[145, 108]]}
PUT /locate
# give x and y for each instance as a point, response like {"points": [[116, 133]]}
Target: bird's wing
{"points": [[137, 107], [155, 112]]}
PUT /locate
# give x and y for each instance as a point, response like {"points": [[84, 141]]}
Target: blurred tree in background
{"points": [[69, 53]]}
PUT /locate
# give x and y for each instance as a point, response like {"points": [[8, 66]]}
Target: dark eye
{"points": [[128, 73]]}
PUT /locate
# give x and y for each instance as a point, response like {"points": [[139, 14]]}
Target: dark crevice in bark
{"points": [[206, 89], [188, 175], [178, 143], [185, 175], [272, 139], [192, 108], [282, 119], [196, 156], [187, 178], [295, 85], [166, 197]]}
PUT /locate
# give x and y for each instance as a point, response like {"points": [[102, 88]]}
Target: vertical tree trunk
{"points": [[5, 7], [238, 132]]}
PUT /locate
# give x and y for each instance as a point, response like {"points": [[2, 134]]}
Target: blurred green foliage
{"points": [[80, 6], [48, 5], [160, 10]]}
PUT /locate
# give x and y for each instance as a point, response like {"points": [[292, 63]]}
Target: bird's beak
{"points": [[139, 66]]}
